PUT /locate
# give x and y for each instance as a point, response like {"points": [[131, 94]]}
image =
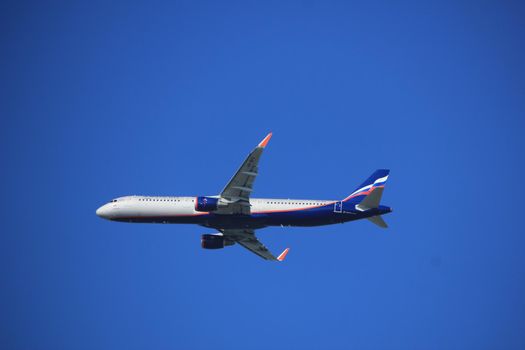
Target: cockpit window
{"points": [[113, 201]]}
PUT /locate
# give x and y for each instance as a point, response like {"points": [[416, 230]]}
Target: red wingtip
{"points": [[283, 254], [264, 142]]}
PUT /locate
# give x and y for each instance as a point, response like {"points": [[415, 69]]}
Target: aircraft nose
{"points": [[103, 211]]}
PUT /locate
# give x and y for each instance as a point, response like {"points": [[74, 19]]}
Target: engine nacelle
{"points": [[215, 241], [206, 204]]}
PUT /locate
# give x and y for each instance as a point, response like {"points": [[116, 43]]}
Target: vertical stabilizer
{"points": [[376, 180]]}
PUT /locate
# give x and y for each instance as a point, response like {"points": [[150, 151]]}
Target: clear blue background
{"points": [[99, 101]]}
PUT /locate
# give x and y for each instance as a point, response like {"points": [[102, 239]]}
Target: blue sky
{"points": [[101, 100]]}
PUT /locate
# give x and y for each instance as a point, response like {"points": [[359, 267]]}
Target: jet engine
{"points": [[214, 241], [206, 204]]}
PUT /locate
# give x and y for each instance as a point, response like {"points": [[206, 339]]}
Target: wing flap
{"points": [[247, 239]]}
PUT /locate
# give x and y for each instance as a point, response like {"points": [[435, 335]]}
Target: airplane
{"points": [[236, 216]]}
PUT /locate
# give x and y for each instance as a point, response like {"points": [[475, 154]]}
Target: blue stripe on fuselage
{"points": [[318, 216]]}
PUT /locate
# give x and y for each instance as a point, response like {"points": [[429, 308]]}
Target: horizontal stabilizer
{"points": [[372, 200], [378, 220]]}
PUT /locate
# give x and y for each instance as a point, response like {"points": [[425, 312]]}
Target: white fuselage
{"points": [[151, 207]]}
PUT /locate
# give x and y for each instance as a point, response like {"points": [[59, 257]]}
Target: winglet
{"points": [[283, 254], [264, 142]]}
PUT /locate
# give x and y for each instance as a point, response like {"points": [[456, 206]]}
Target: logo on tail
{"points": [[376, 180]]}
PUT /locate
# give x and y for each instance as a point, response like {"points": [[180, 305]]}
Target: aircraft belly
{"points": [[310, 217]]}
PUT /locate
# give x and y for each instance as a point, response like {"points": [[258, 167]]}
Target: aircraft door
{"points": [[338, 207]]}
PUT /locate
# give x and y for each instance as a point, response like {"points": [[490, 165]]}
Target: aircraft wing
{"points": [[235, 197], [247, 239]]}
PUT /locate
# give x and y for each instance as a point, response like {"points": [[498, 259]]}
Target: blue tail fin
{"points": [[377, 179]]}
